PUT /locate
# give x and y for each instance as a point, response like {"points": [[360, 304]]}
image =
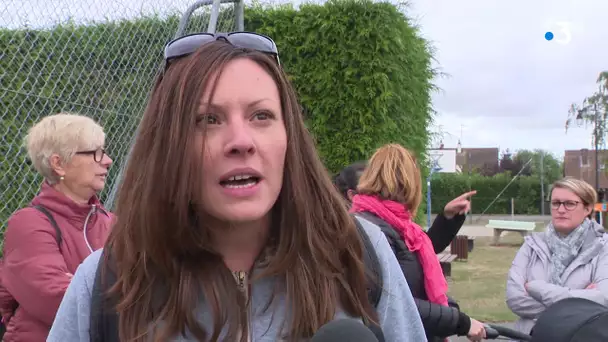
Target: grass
{"points": [[479, 284]]}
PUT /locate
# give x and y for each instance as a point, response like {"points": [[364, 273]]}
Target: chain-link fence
{"points": [[92, 57]]}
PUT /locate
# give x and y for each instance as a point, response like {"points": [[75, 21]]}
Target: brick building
{"points": [[470, 159]]}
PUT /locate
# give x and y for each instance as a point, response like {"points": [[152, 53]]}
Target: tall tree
{"points": [[512, 165], [593, 110], [552, 168]]}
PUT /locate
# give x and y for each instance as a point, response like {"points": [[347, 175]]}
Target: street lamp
{"points": [[579, 118]]}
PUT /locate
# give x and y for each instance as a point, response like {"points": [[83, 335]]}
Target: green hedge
{"points": [[361, 70], [525, 191]]}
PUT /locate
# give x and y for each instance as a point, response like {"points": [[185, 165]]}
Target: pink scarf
{"points": [[415, 239]]}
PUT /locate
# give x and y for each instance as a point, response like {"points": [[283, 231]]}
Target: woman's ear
{"points": [[57, 165], [351, 193], [589, 211]]}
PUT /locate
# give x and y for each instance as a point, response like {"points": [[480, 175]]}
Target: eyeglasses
{"points": [[568, 205], [97, 154], [188, 44]]}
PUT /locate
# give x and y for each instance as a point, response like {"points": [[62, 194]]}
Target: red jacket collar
{"points": [[57, 202]]}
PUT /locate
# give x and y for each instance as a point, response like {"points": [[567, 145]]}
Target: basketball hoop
{"points": [[434, 162]]}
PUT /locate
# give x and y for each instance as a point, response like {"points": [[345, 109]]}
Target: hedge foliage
{"points": [[525, 191], [361, 70]]}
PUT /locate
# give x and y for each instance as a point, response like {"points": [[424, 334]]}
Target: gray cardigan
{"points": [[397, 312], [531, 265]]}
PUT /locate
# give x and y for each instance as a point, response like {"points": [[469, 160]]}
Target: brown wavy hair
{"points": [[160, 245], [392, 174]]}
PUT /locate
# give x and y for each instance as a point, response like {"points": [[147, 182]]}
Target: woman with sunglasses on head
{"points": [[228, 226], [569, 259], [46, 241]]}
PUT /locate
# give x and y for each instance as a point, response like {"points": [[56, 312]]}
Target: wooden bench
{"points": [[500, 226], [445, 259]]}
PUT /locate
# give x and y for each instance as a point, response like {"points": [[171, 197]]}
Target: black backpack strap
{"points": [[372, 266], [58, 235], [103, 317]]}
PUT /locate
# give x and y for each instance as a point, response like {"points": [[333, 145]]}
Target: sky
{"points": [[504, 84]]}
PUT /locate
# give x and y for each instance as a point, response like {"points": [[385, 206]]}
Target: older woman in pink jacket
{"points": [[47, 240]]}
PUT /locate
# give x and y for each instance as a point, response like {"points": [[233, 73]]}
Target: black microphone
{"points": [[344, 330]]}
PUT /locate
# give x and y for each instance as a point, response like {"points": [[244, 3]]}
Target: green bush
{"points": [[102, 70], [361, 70], [524, 190]]}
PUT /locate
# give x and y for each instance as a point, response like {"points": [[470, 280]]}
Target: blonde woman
{"points": [[569, 259], [47, 240], [389, 194]]}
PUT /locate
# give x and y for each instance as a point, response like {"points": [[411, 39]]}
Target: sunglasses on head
{"points": [[186, 45]]}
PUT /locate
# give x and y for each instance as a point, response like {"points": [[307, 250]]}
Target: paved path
{"points": [[464, 339]]}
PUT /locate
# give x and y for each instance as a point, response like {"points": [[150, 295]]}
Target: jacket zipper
{"points": [[86, 223], [243, 286]]}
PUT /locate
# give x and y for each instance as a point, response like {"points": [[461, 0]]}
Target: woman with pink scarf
{"points": [[388, 195]]}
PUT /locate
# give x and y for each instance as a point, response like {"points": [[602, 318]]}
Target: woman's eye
{"points": [[263, 116], [208, 119]]}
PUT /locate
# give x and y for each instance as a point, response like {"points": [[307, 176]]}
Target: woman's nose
{"points": [[106, 161], [240, 140]]}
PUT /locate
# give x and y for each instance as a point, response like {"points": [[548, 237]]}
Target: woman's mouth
{"points": [[240, 182]]}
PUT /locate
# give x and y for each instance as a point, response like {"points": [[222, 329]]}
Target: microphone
{"points": [[345, 330]]}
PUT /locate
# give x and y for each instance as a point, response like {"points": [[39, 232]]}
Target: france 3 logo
{"points": [[559, 32]]}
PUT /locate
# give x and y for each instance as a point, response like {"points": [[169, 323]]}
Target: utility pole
{"points": [[542, 184], [596, 141], [469, 181]]}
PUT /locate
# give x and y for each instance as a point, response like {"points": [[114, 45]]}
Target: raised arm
{"points": [[443, 230], [447, 224]]}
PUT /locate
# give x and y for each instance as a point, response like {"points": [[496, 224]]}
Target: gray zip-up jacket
{"points": [[531, 267], [397, 311]]}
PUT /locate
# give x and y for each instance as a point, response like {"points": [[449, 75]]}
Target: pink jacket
{"points": [[35, 271]]}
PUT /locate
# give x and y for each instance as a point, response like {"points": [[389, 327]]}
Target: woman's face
{"points": [[244, 144], [86, 172], [567, 210]]}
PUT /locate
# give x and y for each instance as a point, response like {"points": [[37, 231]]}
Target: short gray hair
{"points": [[63, 134]]}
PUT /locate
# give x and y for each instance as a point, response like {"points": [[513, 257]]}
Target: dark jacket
{"points": [[439, 321]]}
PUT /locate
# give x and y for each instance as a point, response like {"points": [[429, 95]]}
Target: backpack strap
{"points": [[372, 266], [103, 317], [45, 211]]}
